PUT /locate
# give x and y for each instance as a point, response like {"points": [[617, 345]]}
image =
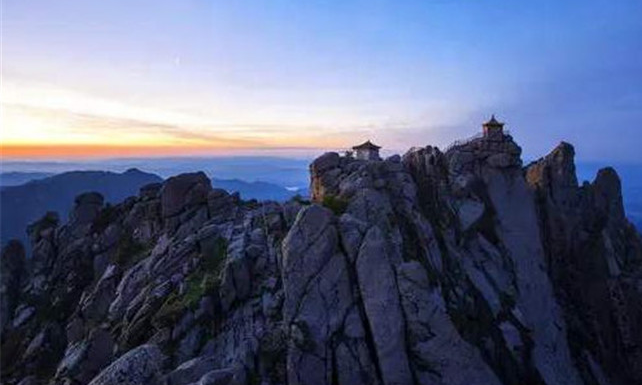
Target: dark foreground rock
{"points": [[457, 267]]}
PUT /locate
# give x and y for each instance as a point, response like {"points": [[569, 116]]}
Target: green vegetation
{"points": [[202, 281], [251, 204], [50, 219], [106, 216], [129, 251], [169, 311], [336, 204], [299, 199], [273, 353]]}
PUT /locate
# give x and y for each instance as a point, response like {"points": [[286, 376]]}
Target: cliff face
{"points": [[593, 258], [432, 268]]}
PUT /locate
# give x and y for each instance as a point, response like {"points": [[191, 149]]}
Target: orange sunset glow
{"points": [[58, 151], [199, 78], [45, 121], [28, 151]]}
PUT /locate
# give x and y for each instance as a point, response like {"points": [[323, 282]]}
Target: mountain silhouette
{"points": [[23, 204]]}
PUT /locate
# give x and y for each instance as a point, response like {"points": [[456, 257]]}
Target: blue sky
{"points": [[292, 78]]}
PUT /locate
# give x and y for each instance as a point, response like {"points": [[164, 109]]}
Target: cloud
{"points": [[61, 133], [99, 126]]}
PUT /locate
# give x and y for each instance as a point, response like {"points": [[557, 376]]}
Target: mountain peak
{"points": [[458, 266], [134, 170]]}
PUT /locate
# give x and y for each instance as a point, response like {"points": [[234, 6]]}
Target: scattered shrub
{"points": [[251, 204], [169, 311], [50, 219], [299, 199], [336, 204], [106, 216], [129, 251], [205, 279]]}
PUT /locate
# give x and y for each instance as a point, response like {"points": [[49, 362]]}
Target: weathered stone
{"points": [[587, 260], [87, 206], [608, 194], [309, 245], [136, 367], [150, 191], [380, 297], [324, 173], [84, 359], [30, 380], [23, 314], [437, 268], [317, 300], [48, 343], [219, 377], [469, 212], [325, 162], [12, 269], [518, 229], [191, 371], [190, 344], [440, 354], [43, 228], [184, 191], [502, 160], [96, 305]]}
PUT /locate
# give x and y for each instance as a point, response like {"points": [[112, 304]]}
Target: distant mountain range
{"points": [[26, 196], [452, 268], [23, 204], [18, 178], [257, 190], [287, 172]]}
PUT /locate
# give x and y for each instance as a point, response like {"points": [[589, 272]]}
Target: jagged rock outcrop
{"points": [[488, 268], [455, 267], [12, 268], [327, 337], [593, 258], [137, 367]]}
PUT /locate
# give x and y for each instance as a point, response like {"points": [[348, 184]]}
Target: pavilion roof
{"points": [[368, 145], [493, 122]]}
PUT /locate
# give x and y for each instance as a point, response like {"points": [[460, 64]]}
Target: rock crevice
{"points": [[456, 267]]}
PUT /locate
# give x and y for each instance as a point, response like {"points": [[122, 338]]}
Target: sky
{"points": [[139, 78]]}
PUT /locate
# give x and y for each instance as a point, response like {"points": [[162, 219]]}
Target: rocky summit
{"points": [[461, 267]]}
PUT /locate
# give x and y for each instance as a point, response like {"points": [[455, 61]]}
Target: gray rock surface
{"points": [[326, 336], [379, 292], [137, 367], [87, 207], [191, 371], [183, 191], [12, 269], [455, 267], [593, 256]]}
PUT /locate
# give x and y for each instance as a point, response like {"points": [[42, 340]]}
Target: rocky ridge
{"points": [[432, 268]]}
